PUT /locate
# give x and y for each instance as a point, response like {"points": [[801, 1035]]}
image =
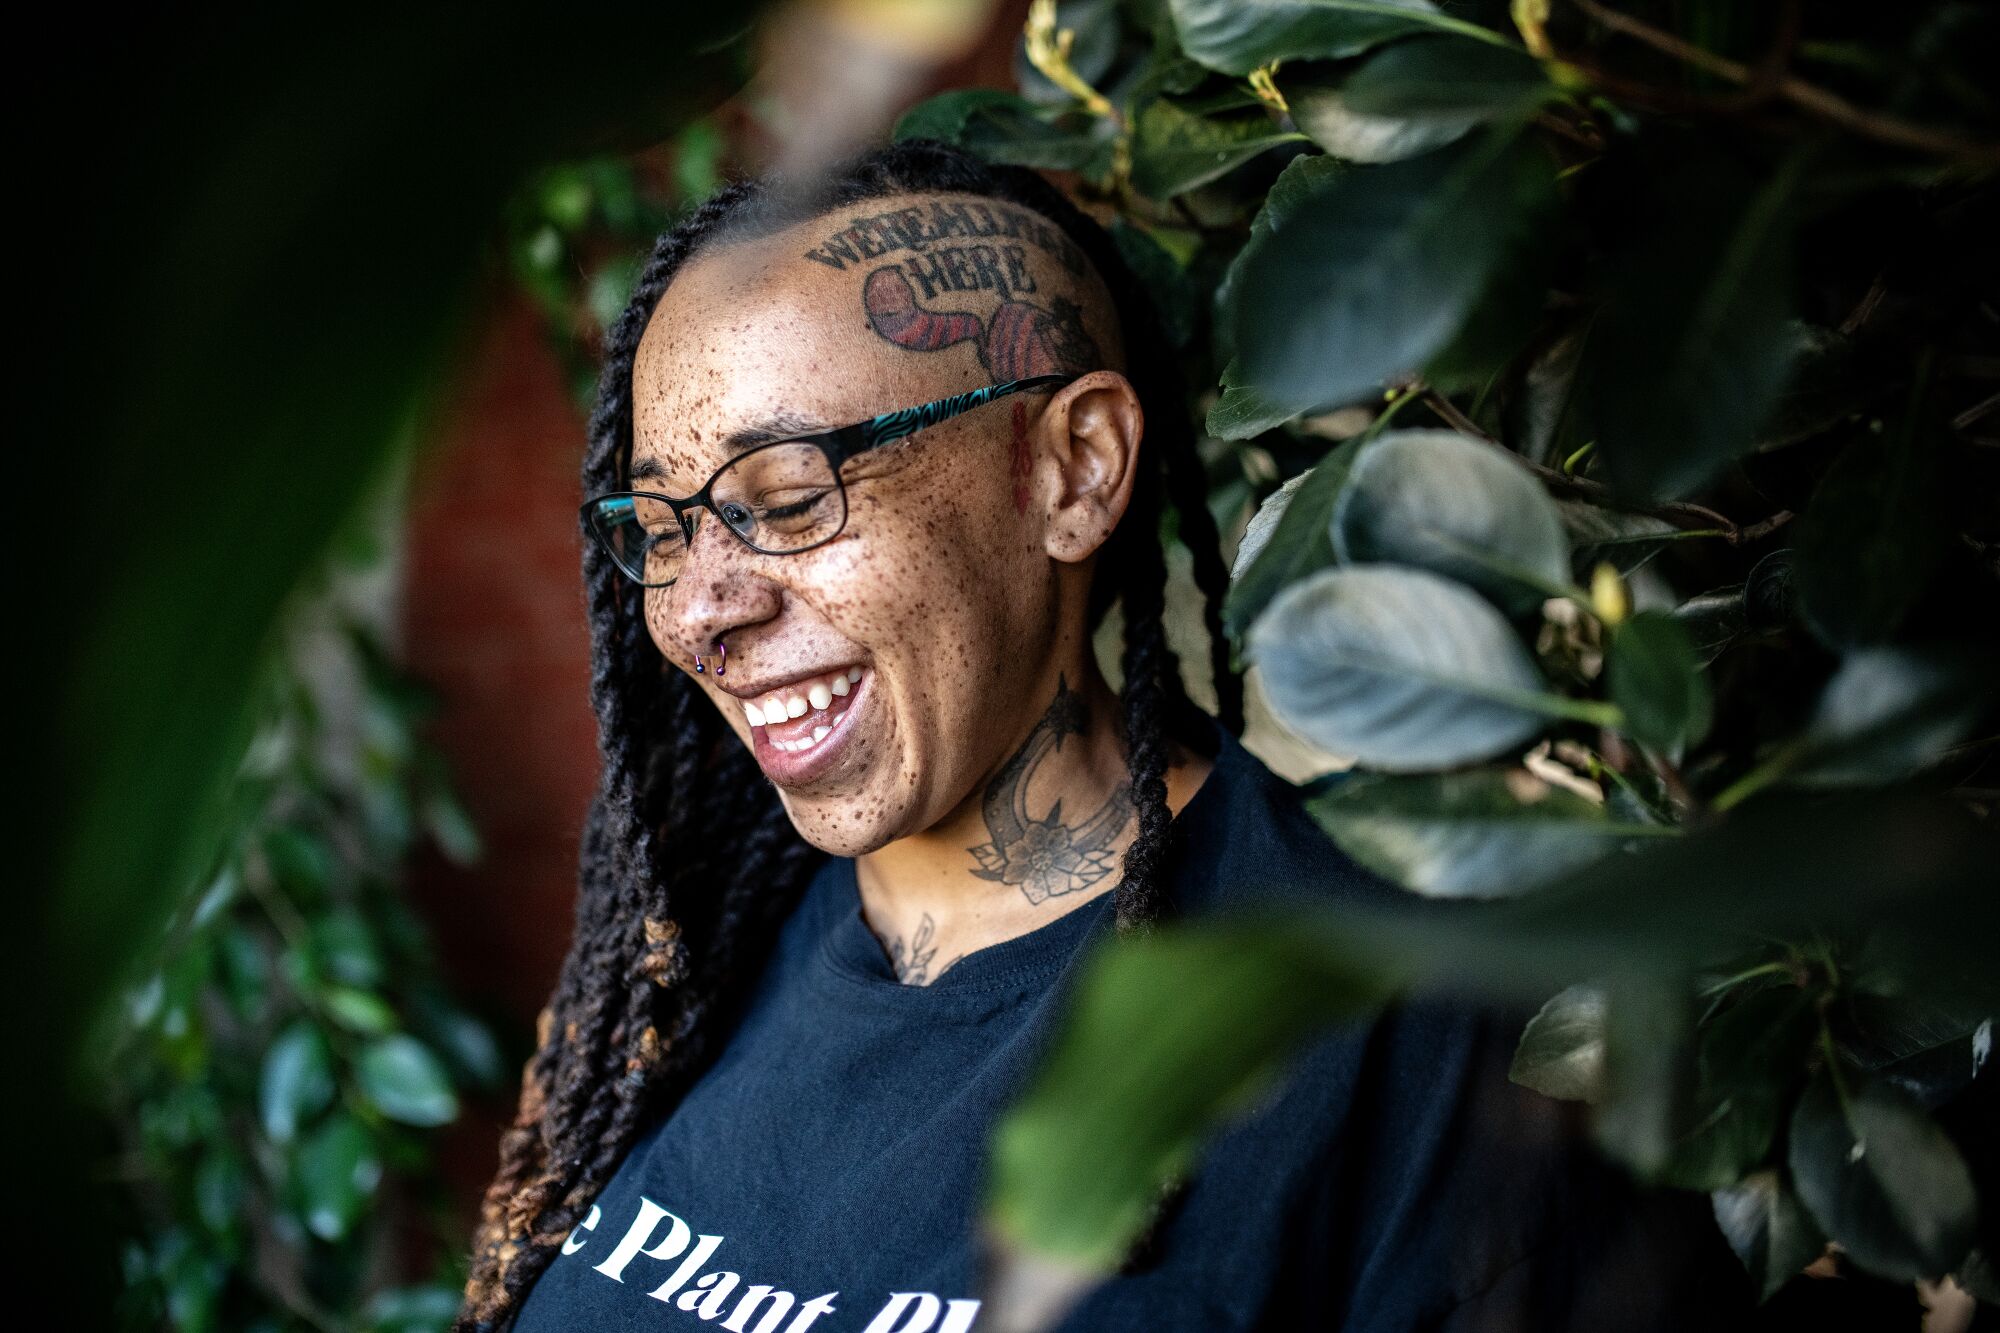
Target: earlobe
{"points": [[1091, 434]]}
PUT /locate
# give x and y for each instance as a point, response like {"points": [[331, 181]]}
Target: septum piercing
{"points": [[722, 667]]}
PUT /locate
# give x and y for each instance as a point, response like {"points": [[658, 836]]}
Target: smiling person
{"points": [[869, 464]]}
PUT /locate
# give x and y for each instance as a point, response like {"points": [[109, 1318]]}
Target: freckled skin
{"points": [[959, 582]]}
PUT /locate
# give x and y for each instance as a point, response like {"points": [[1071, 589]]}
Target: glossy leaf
{"points": [[1616, 537], [1397, 668], [1769, 1229], [406, 1082], [1889, 712], [1562, 1050], [1291, 192], [1412, 96], [1468, 834], [1657, 683], [1385, 269], [1237, 36], [1004, 127], [1880, 1178], [1289, 537], [1441, 501], [1750, 1058], [1174, 150]]}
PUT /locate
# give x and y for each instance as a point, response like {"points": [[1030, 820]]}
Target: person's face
{"points": [[879, 677]]}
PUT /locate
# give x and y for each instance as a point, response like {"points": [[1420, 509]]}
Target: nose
{"points": [[721, 589]]}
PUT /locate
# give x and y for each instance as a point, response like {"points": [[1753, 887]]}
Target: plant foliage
{"points": [[1618, 383]]}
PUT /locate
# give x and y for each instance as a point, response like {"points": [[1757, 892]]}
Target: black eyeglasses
{"points": [[779, 498]]}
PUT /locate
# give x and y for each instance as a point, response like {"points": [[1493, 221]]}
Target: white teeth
{"points": [[819, 734], [795, 707], [840, 686], [819, 696], [755, 715], [854, 675], [774, 712]]}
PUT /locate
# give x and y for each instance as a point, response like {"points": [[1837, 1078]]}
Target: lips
{"points": [[813, 729]]}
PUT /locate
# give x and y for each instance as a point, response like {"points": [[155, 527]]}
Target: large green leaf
{"points": [[1768, 1228], [1749, 1059], [1174, 149], [1880, 1178], [1411, 96], [1293, 190], [1695, 340], [1005, 127], [1382, 270], [1069, 1186], [1237, 36], [406, 1082], [1467, 834], [1656, 681], [1445, 502], [1125, 1100], [1288, 538], [1397, 668]]}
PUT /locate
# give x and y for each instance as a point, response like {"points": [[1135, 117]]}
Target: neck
{"points": [[1043, 834]]}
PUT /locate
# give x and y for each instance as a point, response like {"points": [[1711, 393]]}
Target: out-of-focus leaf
{"points": [[1768, 1228], [1441, 501], [1237, 36], [1562, 1051], [1385, 269], [1929, 1047], [1656, 681], [406, 1082], [1750, 1057], [1880, 1178], [1289, 537], [1096, 28], [297, 1081], [1397, 668], [1648, 1076], [359, 1010], [348, 948], [1174, 150], [1412, 96], [1871, 538], [414, 1309], [334, 1173], [1467, 834], [1695, 342], [1889, 712], [1173, 292], [1004, 127]]}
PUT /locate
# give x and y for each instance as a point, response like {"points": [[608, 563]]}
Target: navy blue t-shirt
{"points": [[825, 1172]]}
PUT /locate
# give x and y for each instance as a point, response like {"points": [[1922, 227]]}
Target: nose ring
{"points": [[722, 667]]}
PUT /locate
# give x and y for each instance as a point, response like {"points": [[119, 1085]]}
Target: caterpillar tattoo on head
{"points": [[1021, 340]]}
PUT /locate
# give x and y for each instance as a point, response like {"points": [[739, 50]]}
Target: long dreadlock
{"points": [[659, 958]]}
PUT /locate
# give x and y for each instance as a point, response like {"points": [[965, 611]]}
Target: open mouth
{"points": [[797, 727]]}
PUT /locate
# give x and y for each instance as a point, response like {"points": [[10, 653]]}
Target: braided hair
{"points": [[660, 958]]}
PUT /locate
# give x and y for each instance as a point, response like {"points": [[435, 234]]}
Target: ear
{"points": [[1088, 439]]}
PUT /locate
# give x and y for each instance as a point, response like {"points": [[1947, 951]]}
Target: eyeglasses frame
{"points": [[838, 444]]}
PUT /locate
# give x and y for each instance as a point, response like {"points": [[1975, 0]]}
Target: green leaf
{"points": [[1656, 681], [296, 1082], [1887, 713], [1467, 834], [1871, 538], [406, 1082], [1695, 341], [334, 1175], [1562, 1051], [1124, 1100], [1713, 621], [1288, 538], [1386, 269], [1004, 127], [414, 1309], [1397, 668], [348, 949], [1237, 36], [1617, 537], [1092, 50], [1750, 1058], [1243, 413], [1441, 501], [1175, 150], [1292, 191], [1412, 96], [1880, 1178], [359, 1010], [1648, 1031], [1174, 294], [1768, 1228]]}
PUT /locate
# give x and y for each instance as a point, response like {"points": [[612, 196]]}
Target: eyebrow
{"points": [[784, 425]]}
